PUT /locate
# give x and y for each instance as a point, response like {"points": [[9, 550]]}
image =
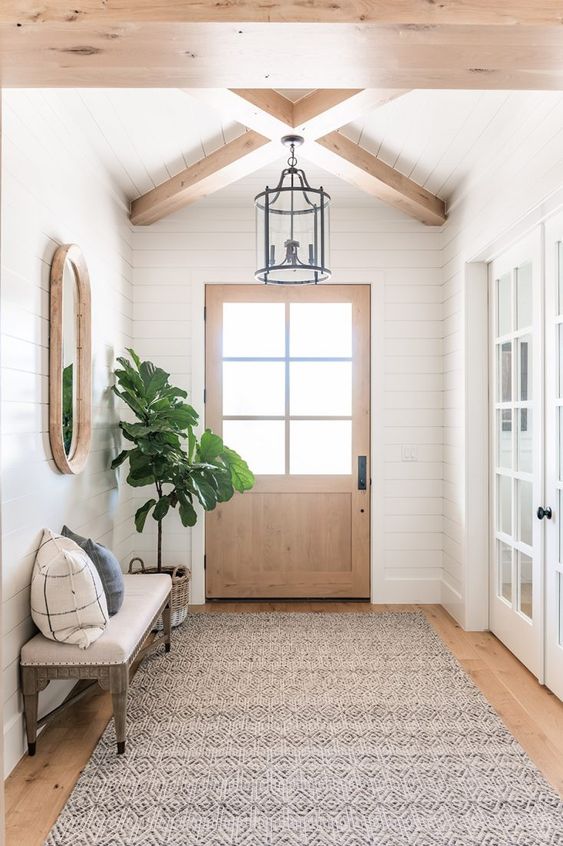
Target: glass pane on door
{"points": [[320, 388], [504, 372], [524, 361], [504, 304], [525, 584], [524, 492], [261, 442], [524, 295], [505, 504], [320, 447], [253, 329], [504, 553], [253, 387], [504, 438], [525, 440], [320, 330]]}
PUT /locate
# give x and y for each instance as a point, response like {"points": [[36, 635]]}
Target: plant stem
{"points": [[159, 547], [159, 533]]}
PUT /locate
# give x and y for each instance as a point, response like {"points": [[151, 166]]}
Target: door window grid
{"points": [[294, 452], [513, 427]]}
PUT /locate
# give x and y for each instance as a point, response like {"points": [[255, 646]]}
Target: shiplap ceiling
{"points": [[437, 138]]}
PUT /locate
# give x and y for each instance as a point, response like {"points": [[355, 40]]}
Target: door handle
{"points": [[362, 472], [544, 512]]}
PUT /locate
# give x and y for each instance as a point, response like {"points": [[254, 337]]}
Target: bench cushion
{"points": [[144, 595]]}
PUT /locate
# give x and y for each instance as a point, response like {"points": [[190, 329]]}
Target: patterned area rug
{"points": [[299, 729]]}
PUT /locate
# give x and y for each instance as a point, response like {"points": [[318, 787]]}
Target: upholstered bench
{"points": [[108, 660]]}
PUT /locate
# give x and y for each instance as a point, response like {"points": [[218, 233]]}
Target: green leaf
{"points": [[241, 475], [181, 416], [119, 459], [141, 469], [161, 508], [188, 514], [142, 513], [210, 446], [204, 492], [225, 489], [130, 400], [135, 357], [130, 381], [150, 447], [154, 379], [174, 393], [192, 444]]}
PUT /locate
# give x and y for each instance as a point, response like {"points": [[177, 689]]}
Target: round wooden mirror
{"points": [[70, 360]]}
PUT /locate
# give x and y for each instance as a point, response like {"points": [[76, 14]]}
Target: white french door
{"points": [[554, 454], [516, 306]]}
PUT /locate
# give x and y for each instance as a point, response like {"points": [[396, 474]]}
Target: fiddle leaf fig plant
{"points": [[166, 451]]}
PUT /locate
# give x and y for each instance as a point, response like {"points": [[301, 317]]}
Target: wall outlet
{"points": [[409, 453]]}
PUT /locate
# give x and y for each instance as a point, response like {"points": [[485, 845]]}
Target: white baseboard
{"points": [[15, 745], [452, 601], [15, 742], [408, 591]]}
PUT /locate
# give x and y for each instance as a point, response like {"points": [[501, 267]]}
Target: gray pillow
{"points": [[107, 566]]}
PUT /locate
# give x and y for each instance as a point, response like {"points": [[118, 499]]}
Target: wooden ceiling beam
{"points": [[457, 12], [238, 158], [317, 113], [324, 110], [261, 109], [79, 53], [350, 162]]}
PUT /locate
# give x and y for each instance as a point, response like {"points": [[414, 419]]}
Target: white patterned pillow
{"points": [[68, 603]]}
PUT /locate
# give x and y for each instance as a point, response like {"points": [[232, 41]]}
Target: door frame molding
{"points": [[477, 255], [198, 282]]}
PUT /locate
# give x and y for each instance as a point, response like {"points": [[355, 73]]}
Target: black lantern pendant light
{"points": [[292, 228]]}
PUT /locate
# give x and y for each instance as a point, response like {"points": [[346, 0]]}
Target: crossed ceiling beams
{"points": [[268, 116]]}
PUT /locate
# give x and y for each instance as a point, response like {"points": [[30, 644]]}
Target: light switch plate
{"points": [[409, 453]]}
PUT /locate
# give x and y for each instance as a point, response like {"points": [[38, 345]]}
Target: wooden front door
{"points": [[287, 382]]}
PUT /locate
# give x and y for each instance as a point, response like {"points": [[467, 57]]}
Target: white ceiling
{"points": [[438, 138]]}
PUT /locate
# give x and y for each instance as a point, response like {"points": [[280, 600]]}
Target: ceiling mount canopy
{"points": [[292, 227]]}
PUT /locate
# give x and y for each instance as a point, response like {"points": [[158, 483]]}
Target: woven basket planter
{"points": [[180, 596]]}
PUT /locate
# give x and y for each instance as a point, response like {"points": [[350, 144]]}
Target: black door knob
{"points": [[544, 512]]}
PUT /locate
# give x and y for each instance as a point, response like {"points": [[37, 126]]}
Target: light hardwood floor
{"points": [[38, 787]]}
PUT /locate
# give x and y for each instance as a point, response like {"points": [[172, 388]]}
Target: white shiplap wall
{"points": [[215, 241], [486, 210], [53, 192]]}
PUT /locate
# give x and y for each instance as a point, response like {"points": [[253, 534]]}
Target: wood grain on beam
{"points": [[345, 159], [204, 55], [458, 12], [236, 159], [324, 110], [261, 109]]}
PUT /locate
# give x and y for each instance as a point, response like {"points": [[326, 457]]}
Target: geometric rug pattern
{"points": [[304, 729]]}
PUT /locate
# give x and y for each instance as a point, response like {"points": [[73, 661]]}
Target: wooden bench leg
{"points": [[30, 687], [119, 686], [167, 625]]}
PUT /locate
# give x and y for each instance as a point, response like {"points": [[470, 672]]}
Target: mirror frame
{"points": [[74, 462]]}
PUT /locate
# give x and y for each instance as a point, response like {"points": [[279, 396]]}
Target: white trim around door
{"points": [[382, 589]]}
